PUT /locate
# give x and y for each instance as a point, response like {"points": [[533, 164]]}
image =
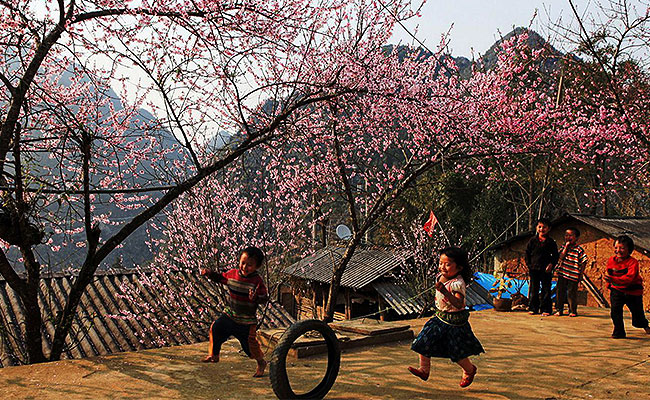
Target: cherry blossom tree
{"points": [[357, 154], [606, 96], [70, 144]]}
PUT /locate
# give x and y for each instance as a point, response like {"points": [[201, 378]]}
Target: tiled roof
{"points": [[366, 265], [638, 228], [96, 333]]}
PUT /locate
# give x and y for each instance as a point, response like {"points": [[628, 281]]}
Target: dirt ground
{"points": [[527, 357]]}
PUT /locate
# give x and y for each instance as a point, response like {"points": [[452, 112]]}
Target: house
{"points": [[597, 239], [369, 286], [95, 332]]}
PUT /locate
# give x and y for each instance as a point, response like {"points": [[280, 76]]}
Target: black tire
{"points": [[278, 367]]}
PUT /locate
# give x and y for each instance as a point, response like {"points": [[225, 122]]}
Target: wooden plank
{"points": [[600, 299], [357, 341], [370, 329], [378, 339], [339, 316], [270, 337], [307, 346]]}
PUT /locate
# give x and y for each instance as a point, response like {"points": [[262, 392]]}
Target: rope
{"points": [[268, 344]]}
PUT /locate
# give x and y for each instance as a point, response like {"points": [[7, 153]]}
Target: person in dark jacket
{"points": [[541, 256]]}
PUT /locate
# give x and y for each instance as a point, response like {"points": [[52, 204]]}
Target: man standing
{"points": [[541, 256]]}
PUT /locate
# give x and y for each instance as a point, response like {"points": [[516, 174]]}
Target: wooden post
{"points": [[314, 309], [348, 304], [382, 313]]}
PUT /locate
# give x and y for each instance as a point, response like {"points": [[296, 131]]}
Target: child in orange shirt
{"points": [[626, 287]]}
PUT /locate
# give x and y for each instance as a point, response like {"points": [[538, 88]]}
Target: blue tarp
{"points": [[487, 282], [479, 307]]}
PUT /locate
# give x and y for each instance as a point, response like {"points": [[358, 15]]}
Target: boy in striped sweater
{"points": [[246, 290], [626, 287], [571, 264]]}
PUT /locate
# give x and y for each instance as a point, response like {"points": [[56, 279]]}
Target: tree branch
{"points": [[12, 278]]}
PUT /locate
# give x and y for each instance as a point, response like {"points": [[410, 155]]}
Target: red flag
{"points": [[430, 225]]}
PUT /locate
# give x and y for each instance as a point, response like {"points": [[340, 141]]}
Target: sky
{"points": [[477, 24]]}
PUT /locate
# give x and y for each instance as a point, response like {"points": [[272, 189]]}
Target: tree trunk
{"points": [[385, 200], [65, 318], [33, 325], [337, 274], [33, 318]]}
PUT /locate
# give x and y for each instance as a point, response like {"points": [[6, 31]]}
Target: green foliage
{"points": [[470, 209]]}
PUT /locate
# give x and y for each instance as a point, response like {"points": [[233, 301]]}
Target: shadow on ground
{"points": [[527, 357]]}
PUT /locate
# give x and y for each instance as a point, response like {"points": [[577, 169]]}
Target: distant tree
{"points": [[607, 90]]}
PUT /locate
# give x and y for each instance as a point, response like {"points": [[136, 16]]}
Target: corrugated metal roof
{"points": [[96, 333], [637, 228], [399, 298], [366, 265], [477, 294], [403, 303]]}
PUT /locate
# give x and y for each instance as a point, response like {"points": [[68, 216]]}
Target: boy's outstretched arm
{"points": [[212, 275]]}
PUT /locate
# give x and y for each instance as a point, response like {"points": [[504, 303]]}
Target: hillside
{"points": [[489, 59]]}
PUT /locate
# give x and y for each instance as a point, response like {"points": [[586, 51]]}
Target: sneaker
{"points": [[533, 312], [545, 314], [559, 313], [573, 315], [618, 336]]}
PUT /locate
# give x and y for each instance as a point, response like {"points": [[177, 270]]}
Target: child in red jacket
{"points": [[626, 287]]}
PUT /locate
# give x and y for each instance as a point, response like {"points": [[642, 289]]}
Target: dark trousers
{"points": [[224, 327], [634, 303], [567, 292], [540, 302]]}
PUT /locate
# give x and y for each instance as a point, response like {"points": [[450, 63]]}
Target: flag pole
{"points": [[444, 234], [430, 226]]}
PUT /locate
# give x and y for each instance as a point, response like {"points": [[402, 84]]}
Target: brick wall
{"points": [[596, 244]]}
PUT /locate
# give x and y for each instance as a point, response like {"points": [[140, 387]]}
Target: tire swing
{"points": [[278, 367]]}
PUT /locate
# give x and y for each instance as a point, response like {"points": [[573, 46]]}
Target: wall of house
{"points": [[596, 244], [307, 300]]}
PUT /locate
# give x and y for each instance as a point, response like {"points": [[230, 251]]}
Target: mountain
{"points": [[490, 58], [535, 41]]}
